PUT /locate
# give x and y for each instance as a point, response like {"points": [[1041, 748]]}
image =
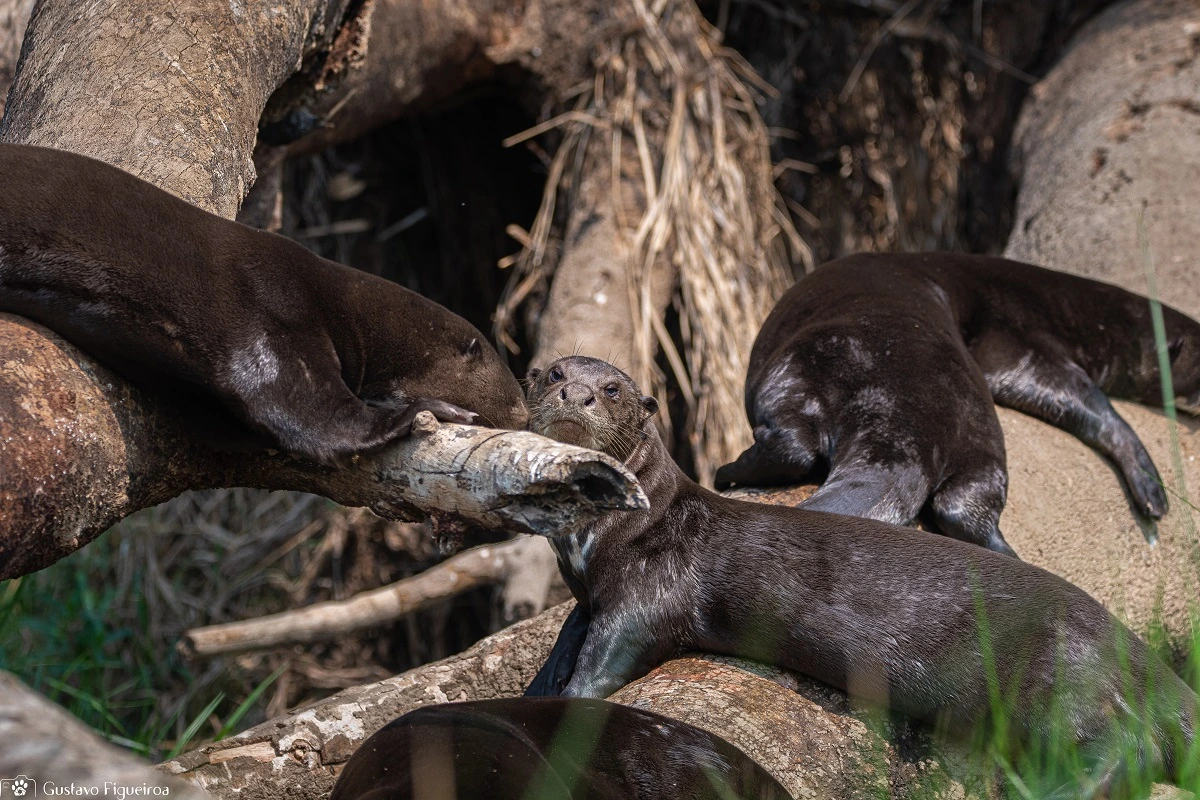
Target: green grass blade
{"points": [[250, 700], [191, 729]]}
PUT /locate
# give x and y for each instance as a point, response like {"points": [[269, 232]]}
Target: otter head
{"points": [[453, 362], [590, 403]]}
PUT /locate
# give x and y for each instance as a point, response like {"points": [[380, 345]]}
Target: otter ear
{"points": [[532, 375], [650, 404], [474, 348], [1174, 348]]}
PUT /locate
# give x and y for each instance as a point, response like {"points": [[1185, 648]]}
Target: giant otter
{"points": [[325, 360], [878, 374], [926, 625]]}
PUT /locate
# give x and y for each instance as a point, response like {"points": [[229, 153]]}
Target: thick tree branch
{"points": [[82, 449]]}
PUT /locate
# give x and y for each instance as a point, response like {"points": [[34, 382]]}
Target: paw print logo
{"points": [[19, 787]]}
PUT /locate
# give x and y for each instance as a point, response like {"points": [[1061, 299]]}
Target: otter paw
{"points": [[445, 412], [725, 477], [1149, 495]]}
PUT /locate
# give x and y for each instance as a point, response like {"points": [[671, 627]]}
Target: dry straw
{"points": [[707, 210]]}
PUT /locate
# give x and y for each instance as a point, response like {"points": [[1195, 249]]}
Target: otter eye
{"points": [[555, 375], [612, 390]]}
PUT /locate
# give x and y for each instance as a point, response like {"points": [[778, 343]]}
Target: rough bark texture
{"points": [[14, 16], [172, 94], [1110, 131], [804, 733], [82, 450], [45, 744], [297, 756]]}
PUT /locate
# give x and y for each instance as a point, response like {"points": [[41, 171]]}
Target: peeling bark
{"points": [[297, 756], [82, 449], [44, 743]]}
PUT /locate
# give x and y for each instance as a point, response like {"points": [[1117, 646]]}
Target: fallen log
{"points": [[47, 748], [806, 734]]}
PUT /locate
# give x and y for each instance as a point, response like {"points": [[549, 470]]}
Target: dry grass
{"points": [[708, 212]]}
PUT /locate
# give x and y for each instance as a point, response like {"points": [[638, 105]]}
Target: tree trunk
{"points": [[14, 16], [173, 97], [1107, 136]]}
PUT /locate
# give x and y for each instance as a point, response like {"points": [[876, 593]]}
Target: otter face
{"points": [[463, 369], [495, 393], [590, 403]]}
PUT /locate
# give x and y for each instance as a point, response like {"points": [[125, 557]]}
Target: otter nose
{"points": [[577, 394]]}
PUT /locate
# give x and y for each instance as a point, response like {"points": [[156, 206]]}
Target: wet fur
{"points": [[507, 749], [320, 359], [884, 612], [877, 373]]}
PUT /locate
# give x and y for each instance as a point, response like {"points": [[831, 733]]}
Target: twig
{"points": [[480, 566], [876, 40]]}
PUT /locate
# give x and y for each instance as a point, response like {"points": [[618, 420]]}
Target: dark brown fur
{"points": [[877, 374], [326, 360], [887, 613], [551, 749]]}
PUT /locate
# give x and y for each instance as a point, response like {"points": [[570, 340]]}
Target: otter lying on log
{"points": [[926, 625], [323, 359], [877, 373]]}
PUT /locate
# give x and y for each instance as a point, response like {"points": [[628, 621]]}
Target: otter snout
{"points": [[588, 402], [577, 394]]}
